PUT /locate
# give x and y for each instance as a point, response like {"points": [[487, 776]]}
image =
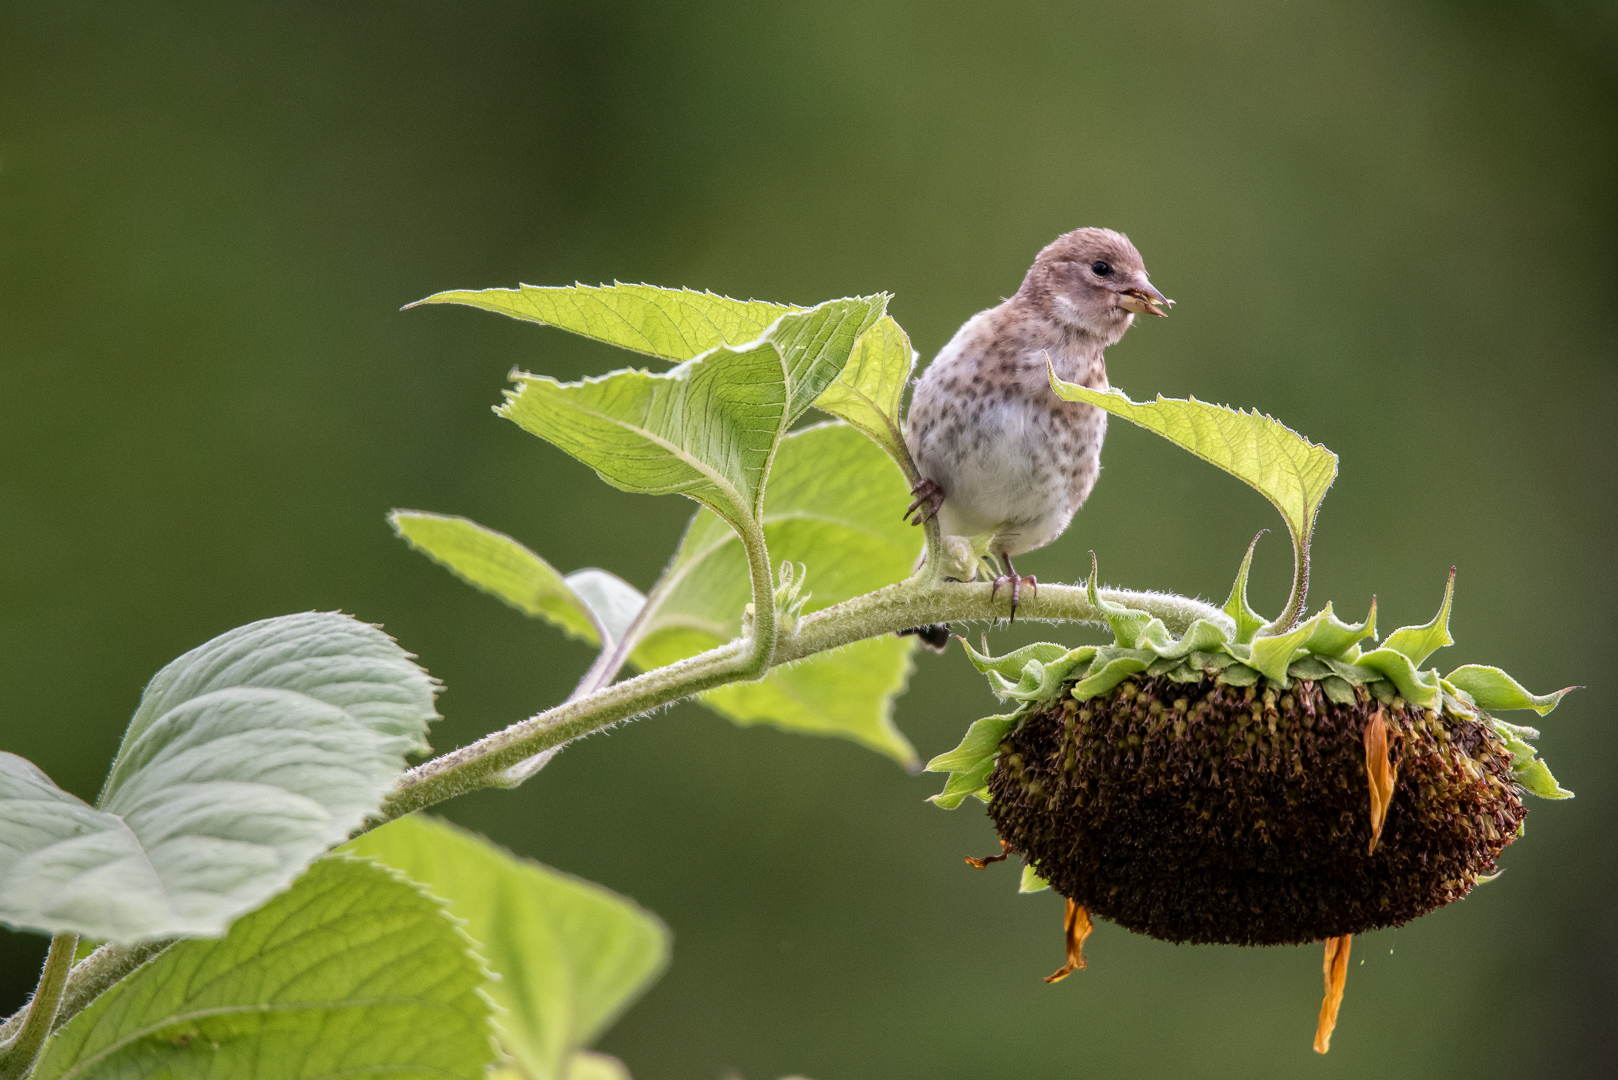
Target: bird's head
{"points": [[1094, 280]]}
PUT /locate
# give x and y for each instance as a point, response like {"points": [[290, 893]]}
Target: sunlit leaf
{"points": [[495, 563], [354, 972], [1283, 466], [869, 392], [708, 428], [570, 954], [247, 758], [670, 324], [834, 504]]}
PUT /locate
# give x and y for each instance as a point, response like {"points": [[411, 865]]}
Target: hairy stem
{"points": [[1300, 588], [21, 1051], [483, 763], [489, 761], [914, 602]]}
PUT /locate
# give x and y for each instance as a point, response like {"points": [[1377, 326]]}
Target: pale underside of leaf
{"points": [[570, 954], [354, 972], [1283, 466], [247, 758]]}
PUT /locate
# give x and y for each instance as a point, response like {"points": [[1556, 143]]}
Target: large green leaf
{"points": [[869, 392], [247, 758], [708, 428], [354, 973], [833, 504], [1283, 466], [570, 954], [670, 324], [589, 604]]}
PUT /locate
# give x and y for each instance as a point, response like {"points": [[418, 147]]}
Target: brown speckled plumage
{"points": [[1009, 458]]}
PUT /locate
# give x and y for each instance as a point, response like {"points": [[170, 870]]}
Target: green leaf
{"points": [[707, 429], [1283, 466], [588, 604], [247, 758], [869, 392], [1493, 689], [834, 504], [353, 973], [1420, 642], [670, 324], [571, 955], [1537, 778]]}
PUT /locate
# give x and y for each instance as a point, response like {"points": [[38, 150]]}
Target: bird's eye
{"points": [[1101, 268]]}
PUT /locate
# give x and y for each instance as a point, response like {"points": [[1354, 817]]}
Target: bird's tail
{"points": [[934, 635]]}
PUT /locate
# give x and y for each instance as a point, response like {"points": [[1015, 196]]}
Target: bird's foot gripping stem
{"points": [[929, 497], [1011, 578]]}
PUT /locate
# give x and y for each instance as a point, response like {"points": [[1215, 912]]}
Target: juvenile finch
{"points": [[1003, 458]]}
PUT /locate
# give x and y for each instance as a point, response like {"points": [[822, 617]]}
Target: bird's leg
{"points": [[929, 497], [1010, 578]]}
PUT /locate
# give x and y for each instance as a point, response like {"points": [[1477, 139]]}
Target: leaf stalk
{"points": [[20, 1052]]}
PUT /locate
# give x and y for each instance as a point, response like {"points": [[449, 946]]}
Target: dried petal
{"points": [[1336, 968], [1380, 772], [1076, 926], [983, 863]]}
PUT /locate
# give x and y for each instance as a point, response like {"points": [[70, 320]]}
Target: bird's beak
{"points": [[1142, 299]]}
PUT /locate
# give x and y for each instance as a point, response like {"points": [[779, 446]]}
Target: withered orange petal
{"points": [[1076, 926], [1379, 773], [1336, 968]]}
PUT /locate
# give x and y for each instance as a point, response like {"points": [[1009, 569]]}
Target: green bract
{"points": [[1322, 649]]}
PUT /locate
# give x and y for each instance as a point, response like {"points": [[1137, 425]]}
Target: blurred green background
{"points": [[1393, 225]]}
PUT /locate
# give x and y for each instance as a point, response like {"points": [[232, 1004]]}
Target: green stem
{"points": [[914, 602], [481, 764], [1293, 612], [18, 1055]]}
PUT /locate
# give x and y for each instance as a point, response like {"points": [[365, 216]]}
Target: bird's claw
{"points": [[1016, 584], [929, 497]]}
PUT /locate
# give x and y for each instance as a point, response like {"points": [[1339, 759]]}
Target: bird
{"points": [[1002, 460]]}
